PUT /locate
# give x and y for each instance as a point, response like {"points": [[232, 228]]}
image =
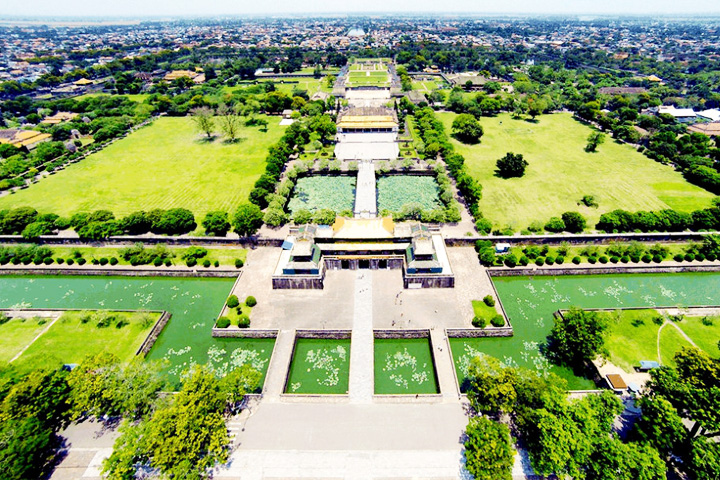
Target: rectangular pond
{"points": [[334, 192], [395, 191], [404, 366], [193, 302], [319, 366], [531, 301]]}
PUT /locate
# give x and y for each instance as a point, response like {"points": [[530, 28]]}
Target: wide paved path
{"points": [[361, 383]]}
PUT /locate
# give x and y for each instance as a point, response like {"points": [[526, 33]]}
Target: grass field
{"points": [[69, 340], [137, 97], [17, 333], [426, 86], [481, 310], [165, 165], [226, 256], [634, 336], [356, 79], [560, 173]]}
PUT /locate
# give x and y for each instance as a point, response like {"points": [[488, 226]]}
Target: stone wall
{"points": [[243, 333], [479, 332], [604, 270], [429, 281], [330, 334], [123, 272], [392, 262], [154, 333], [396, 333], [287, 282]]}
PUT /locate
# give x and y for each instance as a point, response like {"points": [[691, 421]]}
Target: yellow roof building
{"points": [[175, 74], [59, 117], [83, 82], [367, 122], [23, 138]]}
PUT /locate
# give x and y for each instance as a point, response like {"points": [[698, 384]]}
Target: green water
{"points": [[395, 191], [193, 302], [531, 301], [320, 366], [404, 366]]}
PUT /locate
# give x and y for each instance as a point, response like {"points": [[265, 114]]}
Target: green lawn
{"points": [[226, 256], [69, 340], [16, 333], [357, 79], [629, 342], [137, 97], [426, 86], [560, 173], [165, 165], [481, 310]]}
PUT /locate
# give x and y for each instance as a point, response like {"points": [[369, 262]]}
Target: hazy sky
{"points": [[240, 7]]}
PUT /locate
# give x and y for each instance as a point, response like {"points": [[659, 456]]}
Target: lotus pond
{"points": [[395, 191], [531, 301], [404, 366], [320, 366], [336, 193], [193, 302]]}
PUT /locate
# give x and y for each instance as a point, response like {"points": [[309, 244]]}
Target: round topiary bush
{"points": [[576, 260], [168, 262], [700, 257], [549, 260], [635, 258], [243, 321], [510, 261], [223, 322], [614, 259], [48, 261], [625, 259], [158, 262], [540, 261], [679, 257], [524, 261], [479, 322], [238, 263], [216, 263], [592, 260], [191, 262], [80, 261], [657, 258], [238, 310], [104, 261], [689, 257], [60, 260], [603, 259], [489, 300], [113, 261], [559, 260], [206, 263], [711, 256], [70, 261], [250, 301], [498, 321], [232, 301], [647, 258]]}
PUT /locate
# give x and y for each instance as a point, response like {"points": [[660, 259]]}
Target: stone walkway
{"points": [[365, 196], [361, 347], [444, 365], [279, 364]]}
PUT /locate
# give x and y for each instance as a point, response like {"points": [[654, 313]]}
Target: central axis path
{"points": [[361, 346], [365, 201]]}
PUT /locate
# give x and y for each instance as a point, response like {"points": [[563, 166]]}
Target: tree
{"points": [[203, 119], [229, 123], [705, 459], [490, 385], [248, 219], [660, 424], [216, 223], [511, 165], [488, 453], [466, 128], [26, 448], [175, 221], [577, 337], [574, 222], [594, 139]]}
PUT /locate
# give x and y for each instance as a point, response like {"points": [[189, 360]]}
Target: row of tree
{"points": [[668, 220]]}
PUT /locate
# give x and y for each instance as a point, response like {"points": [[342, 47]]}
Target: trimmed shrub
{"points": [[510, 260], [80, 261], [647, 258], [250, 301], [592, 260], [104, 261], [540, 261], [216, 263], [223, 322], [524, 261], [70, 261], [243, 321], [489, 300], [657, 258], [238, 310], [635, 258], [113, 261], [48, 261], [603, 259], [559, 260], [60, 260], [625, 259], [700, 257], [689, 257], [679, 257], [233, 301], [158, 262], [711, 256], [576, 260], [238, 263], [549, 260], [479, 322], [191, 262], [206, 263], [168, 262], [95, 261], [498, 321]]}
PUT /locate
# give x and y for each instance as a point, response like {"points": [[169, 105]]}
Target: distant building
{"points": [[682, 115], [59, 117], [83, 82], [23, 138], [175, 74], [712, 115], [709, 129], [622, 90]]}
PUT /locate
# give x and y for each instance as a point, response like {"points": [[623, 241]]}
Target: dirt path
{"points": [[685, 336], [35, 339]]}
